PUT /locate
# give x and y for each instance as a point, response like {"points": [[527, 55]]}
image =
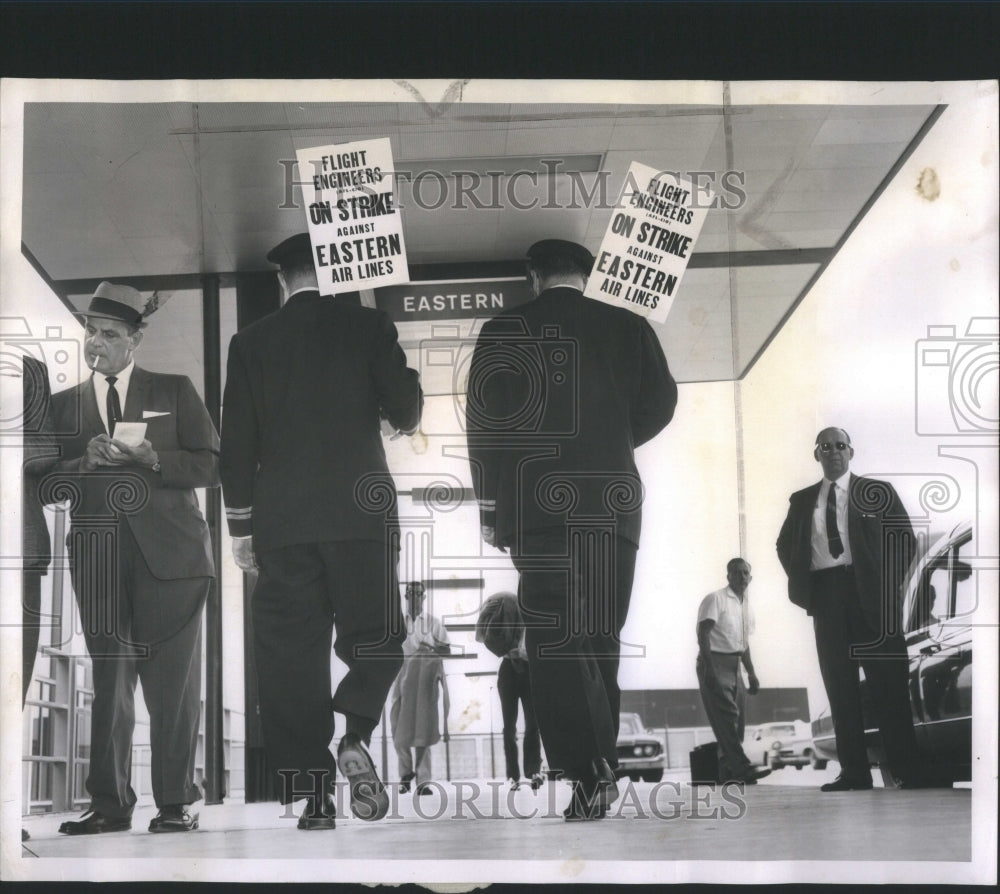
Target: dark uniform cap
{"points": [[295, 249], [548, 248]]}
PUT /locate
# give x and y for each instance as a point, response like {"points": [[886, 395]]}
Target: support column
{"points": [[256, 296], [215, 758]]}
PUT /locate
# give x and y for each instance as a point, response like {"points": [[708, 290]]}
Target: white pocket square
{"points": [[152, 414]]}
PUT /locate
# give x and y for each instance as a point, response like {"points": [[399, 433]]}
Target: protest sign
{"points": [[649, 241], [355, 226]]}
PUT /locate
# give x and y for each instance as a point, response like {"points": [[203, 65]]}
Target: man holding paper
{"points": [[134, 446], [561, 391]]}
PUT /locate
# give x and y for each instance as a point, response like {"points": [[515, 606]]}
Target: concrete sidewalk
{"points": [[480, 820]]}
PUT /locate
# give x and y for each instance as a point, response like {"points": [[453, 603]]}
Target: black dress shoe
{"points": [[404, 783], [94, 823], [369, 799], [536, 782], [845, 784], [313, 819], [752, 774], [607, 784], [584, 805], [424, 789], [174, 818]]}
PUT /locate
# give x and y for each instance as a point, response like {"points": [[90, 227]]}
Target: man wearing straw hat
{"points": [[134, 446]]}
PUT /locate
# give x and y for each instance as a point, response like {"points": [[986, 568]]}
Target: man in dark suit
{"points": [[141, 560], [846, 545], [560, 393], [36, 549], [310, 501]]}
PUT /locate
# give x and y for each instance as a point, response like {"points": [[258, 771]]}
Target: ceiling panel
{"points": [[241, 116], [161, 189]]}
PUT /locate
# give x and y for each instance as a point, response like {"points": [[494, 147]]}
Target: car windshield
{"points": [[630, 725], [784, 729]]}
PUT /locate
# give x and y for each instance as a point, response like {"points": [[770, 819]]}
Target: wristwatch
{"points": [[155, 467]]}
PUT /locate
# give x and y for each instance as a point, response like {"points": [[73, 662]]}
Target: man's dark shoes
{"points": [[369, 799], [752, 774], [584, 805], [313, 819], [174, 818], [607, 785], [404, 783], [94, 823], [424, 789], [846, 784]]}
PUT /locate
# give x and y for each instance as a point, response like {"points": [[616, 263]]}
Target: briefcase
{"points": [[705, 764]]}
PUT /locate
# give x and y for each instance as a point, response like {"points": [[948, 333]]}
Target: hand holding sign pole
{"points": [[355, 226], [649, 242]]}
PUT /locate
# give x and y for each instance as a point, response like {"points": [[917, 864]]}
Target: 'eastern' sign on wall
{"points": [[649, 242], [451, 299], [355, 226]]}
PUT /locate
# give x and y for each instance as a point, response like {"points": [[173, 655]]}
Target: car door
{"points": [[944, 661]]}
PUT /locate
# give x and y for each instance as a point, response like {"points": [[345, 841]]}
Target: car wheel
{"points": [[635, 777], [817, 763], [798, 766], [652, 775]]}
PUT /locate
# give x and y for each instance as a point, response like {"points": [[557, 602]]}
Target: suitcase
{"points": [[705, 764]]}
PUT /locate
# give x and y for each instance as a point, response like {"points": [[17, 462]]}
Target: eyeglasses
{"points": [[827, 446]]}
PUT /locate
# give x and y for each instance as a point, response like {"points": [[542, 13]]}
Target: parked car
{"points": [[941, 595], [640, 752], [782, 744]]}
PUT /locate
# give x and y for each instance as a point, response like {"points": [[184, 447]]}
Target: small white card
{"points": [[130, 433]]}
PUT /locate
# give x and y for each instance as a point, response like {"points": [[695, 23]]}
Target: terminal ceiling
{"points": [[136, 191]]}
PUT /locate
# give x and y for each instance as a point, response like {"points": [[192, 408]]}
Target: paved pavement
{"points": [[478, 820]]}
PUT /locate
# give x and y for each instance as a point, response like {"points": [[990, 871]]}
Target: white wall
{"points": [[849, 357]]}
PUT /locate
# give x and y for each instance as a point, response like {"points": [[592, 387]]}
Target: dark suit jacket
{"points": [[561, 391], [882, 547], [39, 454], [301, 438], [167, 525]]}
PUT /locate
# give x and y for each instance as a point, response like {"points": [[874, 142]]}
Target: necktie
{"points": [[832, 531], [114, 406]]}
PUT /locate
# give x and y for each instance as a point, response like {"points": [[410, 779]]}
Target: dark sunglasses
{"points": [[827, 446]]}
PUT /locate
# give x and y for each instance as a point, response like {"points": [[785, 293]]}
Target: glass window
{"points": [[628, 726], [965, 598], [42, 728], [41, 782]]}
